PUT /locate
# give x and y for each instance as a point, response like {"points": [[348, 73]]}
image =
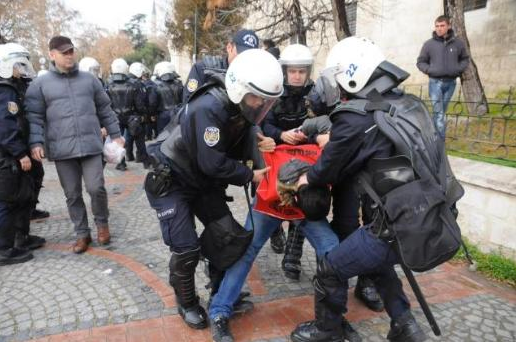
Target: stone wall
{"points": [[487, 212], [401, 27]]}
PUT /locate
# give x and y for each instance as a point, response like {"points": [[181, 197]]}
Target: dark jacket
{"points": [[291, 110], [207, 147], [354, 140], [198, 76], [443, 57], [66, 111], [14, 133]]}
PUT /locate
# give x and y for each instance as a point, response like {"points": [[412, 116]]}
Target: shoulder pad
{"points": [[357, 106], [214, 80]]}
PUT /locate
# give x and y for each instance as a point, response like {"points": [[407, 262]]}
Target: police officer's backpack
{"points": [[415, 191]]}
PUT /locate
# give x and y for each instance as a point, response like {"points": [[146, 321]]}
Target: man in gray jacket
{"points": [[443, 58], [66, 108]]}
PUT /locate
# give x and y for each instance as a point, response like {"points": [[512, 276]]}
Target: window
{"points": [[470, 5]]}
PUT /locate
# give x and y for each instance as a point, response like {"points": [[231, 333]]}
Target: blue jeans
{"points": [[318, 233], [440, 91]]}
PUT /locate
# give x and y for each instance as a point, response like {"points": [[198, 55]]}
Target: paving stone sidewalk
{"points": [[121, 293]]}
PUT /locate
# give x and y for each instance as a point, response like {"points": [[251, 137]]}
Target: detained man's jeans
{"points": [[441, 92], [318, 233]]}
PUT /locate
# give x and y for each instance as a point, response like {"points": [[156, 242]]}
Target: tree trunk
{"points": [[472, 88], [340, 19], [298, 22]]}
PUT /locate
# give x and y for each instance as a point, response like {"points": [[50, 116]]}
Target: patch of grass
{"points": [[493, 265], [503, 162]]}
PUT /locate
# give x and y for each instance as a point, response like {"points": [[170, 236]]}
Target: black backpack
{"points": [[415, 191]]}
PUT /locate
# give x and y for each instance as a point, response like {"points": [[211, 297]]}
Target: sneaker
{"points": [[39, 214], [29, 242], [14, 255], [220, 330]]}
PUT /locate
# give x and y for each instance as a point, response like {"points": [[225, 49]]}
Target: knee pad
{"points": [[328, 287], [184, 263]]}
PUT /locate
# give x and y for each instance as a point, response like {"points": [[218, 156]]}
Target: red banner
{"points": [[267, 199]]}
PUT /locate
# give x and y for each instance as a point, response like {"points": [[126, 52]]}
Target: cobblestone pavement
{"points": [[120, 293]]}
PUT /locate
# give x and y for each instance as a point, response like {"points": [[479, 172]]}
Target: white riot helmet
{"points": [[296, 55], [163, 68], [90, 64], [119, 66], [137, 69], [254, 80], [350, 64], [14, 56]]}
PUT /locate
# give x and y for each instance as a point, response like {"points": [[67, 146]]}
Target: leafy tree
{"points": [[134, 30], [213, 38], [107, 48], [149, 55]]}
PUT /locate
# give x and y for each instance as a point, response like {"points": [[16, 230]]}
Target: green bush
{"points": [[493, 265]]}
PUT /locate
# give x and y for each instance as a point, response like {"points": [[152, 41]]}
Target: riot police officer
{"points": [[199, 159], [20, 176], [283, 123], [357, 67], [128, 103], [170, 92]]}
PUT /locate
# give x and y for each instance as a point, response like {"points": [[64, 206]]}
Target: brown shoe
{"points": [[103, 236], [81, 245]]}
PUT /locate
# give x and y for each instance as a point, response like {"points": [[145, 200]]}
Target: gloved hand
{"points": [[317, 125]]}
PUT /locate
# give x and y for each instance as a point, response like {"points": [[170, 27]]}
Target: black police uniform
{"points": [[198, 76], [354, 140], [170, 91], [203, 156], [18, 190], [151, 90], [129, 102]]}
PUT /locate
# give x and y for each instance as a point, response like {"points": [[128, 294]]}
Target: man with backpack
{"points": [[410, 184]]}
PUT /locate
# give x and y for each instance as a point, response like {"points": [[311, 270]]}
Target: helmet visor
{"points": [[24, 69], [327, 84], [254, 108]]}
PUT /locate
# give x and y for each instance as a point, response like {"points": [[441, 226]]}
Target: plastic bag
{"points": [[113, 153]]}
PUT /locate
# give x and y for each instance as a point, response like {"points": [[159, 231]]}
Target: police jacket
{"points": [[152, 96], [170, 91], [354, 140], [66, 111], [206, 148], [198, 74], [292, 108], [443, 57], [14, 130], [128, 96]]}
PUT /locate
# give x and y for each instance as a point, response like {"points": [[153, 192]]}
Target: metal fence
{"points": [[490, 134]]}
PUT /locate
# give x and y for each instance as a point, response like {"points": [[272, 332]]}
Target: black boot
{"points": [[350, 334], [278, 241], [182, 278], [366, 292], [130, 156], [122, 166], [30, 242], [39, 214], [406, 329], [220, 330], [330, 297], [14, 255], [291, 263]]}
